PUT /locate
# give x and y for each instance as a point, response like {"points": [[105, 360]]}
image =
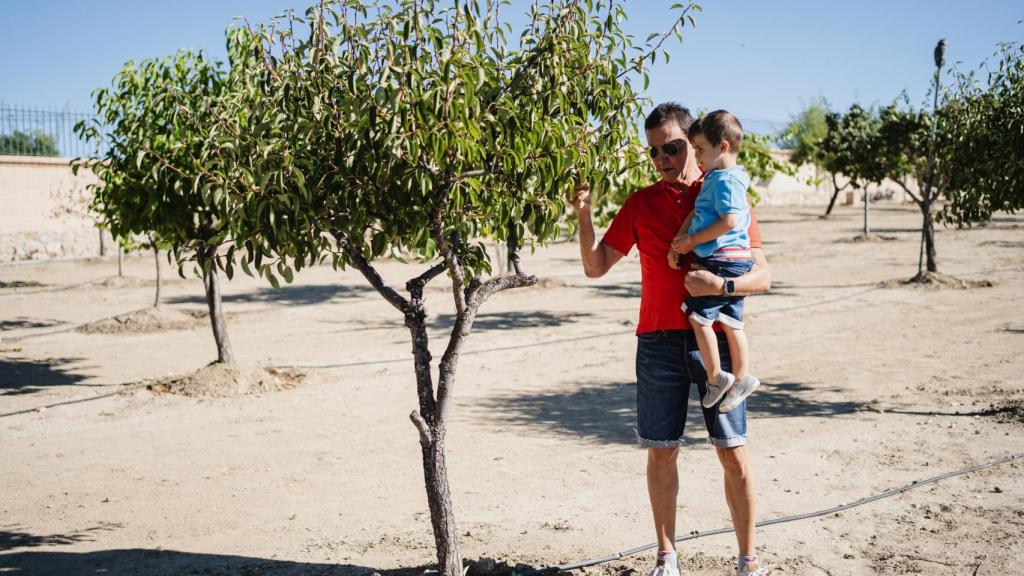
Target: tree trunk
{"points": [[156, 259], [928, 227], [835, 194], [446, 536], [213, 302], [120, 260], [867, 202], [432, 428]]}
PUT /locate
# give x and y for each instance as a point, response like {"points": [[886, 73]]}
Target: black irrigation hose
{"points": [[697, 534]]}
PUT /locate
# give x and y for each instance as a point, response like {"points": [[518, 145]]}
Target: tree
{"points": [[19, 143], [155, 122], [905, 146], [804, 134], [850, 148], [756, 158], [982, 139], [361, 131]]}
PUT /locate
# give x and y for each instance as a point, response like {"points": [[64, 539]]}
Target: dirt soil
{"points": [[869, 384]]}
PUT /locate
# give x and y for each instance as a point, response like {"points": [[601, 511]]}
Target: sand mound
{"points": [[150, 320], [938, 280], [219, 380], [1009, 412], [869, 238], [122, 282]]}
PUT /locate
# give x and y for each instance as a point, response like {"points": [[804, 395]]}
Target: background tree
{"points": [[20, 143], [757, 159], [149, 183], [417, 126], [850, 147], [804, 133], [905, 146], [982, 135]]}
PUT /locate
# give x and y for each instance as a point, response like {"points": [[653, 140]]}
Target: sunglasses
{"points": [[670, 148]]}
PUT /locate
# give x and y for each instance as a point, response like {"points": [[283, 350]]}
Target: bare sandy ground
{"points": [[868, 386]]}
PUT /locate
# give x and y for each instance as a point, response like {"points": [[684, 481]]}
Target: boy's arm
{"points": [[687, 242], [685, 228]]}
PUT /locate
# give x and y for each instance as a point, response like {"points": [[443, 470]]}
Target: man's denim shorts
{"points": [[667, 363], [725, 309]]}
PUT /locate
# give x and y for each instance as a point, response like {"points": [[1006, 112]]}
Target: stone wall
{"points": [[42, 211]]}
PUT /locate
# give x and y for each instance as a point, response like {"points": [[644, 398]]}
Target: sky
{"points": [[762, 60]]}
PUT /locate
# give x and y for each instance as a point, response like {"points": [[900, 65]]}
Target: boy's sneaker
{"points": [[739, 392], [717, 389]]}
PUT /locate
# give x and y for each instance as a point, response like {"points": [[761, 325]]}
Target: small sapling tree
{"points": [[417, 126]]}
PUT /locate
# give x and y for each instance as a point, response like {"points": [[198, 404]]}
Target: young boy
{"points": [[716, 232]]}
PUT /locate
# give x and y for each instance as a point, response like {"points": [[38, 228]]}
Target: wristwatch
{"points": [[729, 287]]}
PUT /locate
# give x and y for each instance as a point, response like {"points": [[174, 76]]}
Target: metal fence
{"points": [[28, 131]]}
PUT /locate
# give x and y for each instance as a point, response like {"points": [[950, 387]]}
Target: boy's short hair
{"points": [[669, 112], [717, 126]]}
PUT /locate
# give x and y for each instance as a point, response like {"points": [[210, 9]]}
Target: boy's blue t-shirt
{"points": [[723, 192]]}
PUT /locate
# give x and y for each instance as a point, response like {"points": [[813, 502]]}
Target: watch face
{"points": [[730, 286]]}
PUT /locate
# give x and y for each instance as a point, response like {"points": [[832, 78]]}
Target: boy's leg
{"points": [[707, 342], [738, 351], [719, 381], [731, 317]]}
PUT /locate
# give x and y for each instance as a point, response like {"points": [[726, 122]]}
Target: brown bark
{"points": [[835, 194], [439, 499], [211, 281], [156, 260], [928, 230]]}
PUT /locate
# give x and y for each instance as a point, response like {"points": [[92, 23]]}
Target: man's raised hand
{"points": [[579, 198]]}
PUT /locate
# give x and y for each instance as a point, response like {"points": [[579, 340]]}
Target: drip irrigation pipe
{"points": [[698, 534]]}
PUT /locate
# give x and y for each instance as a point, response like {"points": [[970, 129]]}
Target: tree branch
{"points": [[416, 285], [909, 193], [498, 284], [355, 256], [640, 59], [426, 437]]}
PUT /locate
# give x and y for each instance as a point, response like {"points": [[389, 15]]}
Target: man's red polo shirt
{"points": [[650, 219]]}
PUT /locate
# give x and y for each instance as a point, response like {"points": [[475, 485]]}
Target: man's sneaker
{"points": [[669, 568], [739, 392], [717, 389], [762, 570]]}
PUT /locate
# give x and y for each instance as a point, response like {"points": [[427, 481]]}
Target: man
{"points": [[668, 359]]}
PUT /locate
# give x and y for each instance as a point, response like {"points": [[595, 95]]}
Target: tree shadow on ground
{"points": [[23, 322], [607, 412], [20, 284], [298, 295], [10, 539], [25, 376], [622, 290], [148, 562], [790, 399], [511, 320], [139, 561]]}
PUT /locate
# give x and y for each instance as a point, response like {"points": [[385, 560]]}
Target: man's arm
{"points": [[597, 257], [700, 282]]}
